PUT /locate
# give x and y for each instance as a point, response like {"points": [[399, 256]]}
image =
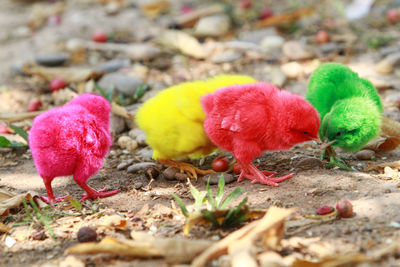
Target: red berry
{"points": [[345, 208], [34, 105], [323, 210], [57, 84], [266, 13], [245, 4], [323, 37], [99, 36], [220, 164], [236, 168], [393, 15], [4, 129], [186, 9]]}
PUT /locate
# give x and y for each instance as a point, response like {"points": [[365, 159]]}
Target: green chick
{"points": [[349, 107]]}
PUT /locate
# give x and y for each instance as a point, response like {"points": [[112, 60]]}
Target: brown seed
{"points": [[345, 208], [87, 234], [181, 176], [169, 173]]}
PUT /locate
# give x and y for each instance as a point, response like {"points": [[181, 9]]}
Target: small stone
{"points": [[122, 83], [292, 70], [114, 65], [145, 153], [139, 135], [226, 57], [140, 167], [137, 185], [295, 50], [169, 173], [127, 143], [142, 51], [112, 8], [117, 124], [74, 45], [307, 163], [87, 234], [124, 165], [214, 178], [384, 67], [215, 26], [38, 235], [52, 60], [257, 35], [277, 77], [181, 176], [272, 43], [365, 154]]}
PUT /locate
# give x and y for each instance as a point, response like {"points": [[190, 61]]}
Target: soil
{"points": [[376, 198]]}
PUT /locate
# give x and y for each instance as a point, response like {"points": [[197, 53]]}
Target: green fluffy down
{"points": [[349, 106]]}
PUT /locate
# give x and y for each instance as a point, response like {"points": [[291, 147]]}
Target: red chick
{"points": [[72, 140], [249, 119]]}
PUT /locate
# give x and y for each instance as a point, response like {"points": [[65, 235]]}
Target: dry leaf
{"points": [[182, 41], [14, 201], [11, 117], [337, 260], [383, 144], [4, 228], [269, 228], [68, 74], [155, 8], [120, 111], [381, 167], [287, 17], [114, 221]]}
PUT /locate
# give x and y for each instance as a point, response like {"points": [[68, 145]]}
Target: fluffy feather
{"points": [[72, 140], [173, 119], [349, 106], [251, 118]]}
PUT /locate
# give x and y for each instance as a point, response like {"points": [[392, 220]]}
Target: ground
{"points": [[375, 197]]}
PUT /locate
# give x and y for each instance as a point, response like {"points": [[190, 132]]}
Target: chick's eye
{"points": [[339, 134], [306, 133]]}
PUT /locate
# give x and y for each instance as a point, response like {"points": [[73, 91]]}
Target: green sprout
{"points": [[4, 142]]}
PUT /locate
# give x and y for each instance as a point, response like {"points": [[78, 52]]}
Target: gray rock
{"points": [[365, 154], [114, 65], [125, 164], [16, 69], [215, 26], [138, 135], [137, 185], [145, 153], [226, 57], [122, 83], [117, 124], [52, 60], [257, 36], [277, 77], [272, 44], [140, 167], [295, 50], [214, 178]]}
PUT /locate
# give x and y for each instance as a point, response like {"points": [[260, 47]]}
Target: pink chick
{"points": [[72, 140]]}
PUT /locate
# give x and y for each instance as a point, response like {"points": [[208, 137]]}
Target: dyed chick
{"points": [[173, 121], [249, 119], [72, 140], [349, 106]]}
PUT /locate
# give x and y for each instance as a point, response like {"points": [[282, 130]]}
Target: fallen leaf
{"points": [[11, 117], [182, 41], [381, 167], [337, 260], [67, 74], [286, 17], [270, 228], [190, 19], [120, 111], [4, 228], [14, 201], [155, 8], [114, 221], [383, 144]]}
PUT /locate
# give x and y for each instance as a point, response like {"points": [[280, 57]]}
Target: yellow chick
{"points": [[173, 121]]}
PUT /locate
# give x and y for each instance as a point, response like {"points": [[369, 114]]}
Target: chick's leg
{"points": [[91, 193], [187, 168], [50, 195]]}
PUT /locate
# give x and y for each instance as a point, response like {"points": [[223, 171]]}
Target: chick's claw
{"points": [[100, 193], [49, 200], [187, 168]]}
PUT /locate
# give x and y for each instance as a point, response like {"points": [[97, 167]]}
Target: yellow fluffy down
{"points": [[173, 119]]}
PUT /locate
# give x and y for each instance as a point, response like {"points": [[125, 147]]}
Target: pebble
{"points": [[140, 167], [214, 178], [142, 51], [137, 185], [114, 65], [276, 76], [214, 26], [117, 124], [257, 35], [170, 172], [226, 57], [365, 154], [272, 44], [384, 67], [112, 8], [292, 70], [125, 164], [138, 135], [295, 50], [122, 83], [127, 143], [52, 60], [181, 176], [307, 163], [145, 153], [74, 44]]}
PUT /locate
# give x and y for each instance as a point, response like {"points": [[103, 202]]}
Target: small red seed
{"points": [[34, 105], [57, 84], [99, 36], [323, 210], [220, 164], [87, 234], [345, 208], [393, 15], [245, 4], [323, 37], [266, 13]]}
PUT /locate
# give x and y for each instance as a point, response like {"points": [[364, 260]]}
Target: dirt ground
{"points": [[375, 197]]}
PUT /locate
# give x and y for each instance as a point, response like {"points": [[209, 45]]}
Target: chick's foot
{"points": [[101, 193], [49, 200], [334, 160], [187, 168], [254, 174]]}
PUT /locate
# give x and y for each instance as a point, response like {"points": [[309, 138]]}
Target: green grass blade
{"points": [[232, 196], [4, 142], [21, 132], [199, 201], [181, 204], [76, 204], [28, 213], [220, 192], [211, 199], [209, 216]]}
